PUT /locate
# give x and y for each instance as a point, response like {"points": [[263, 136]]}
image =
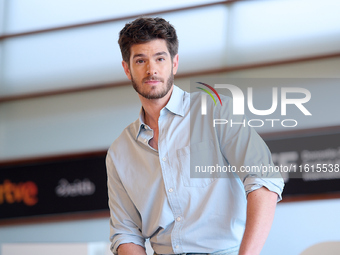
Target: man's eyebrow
{"points": [[138, 55], [161, 53]]}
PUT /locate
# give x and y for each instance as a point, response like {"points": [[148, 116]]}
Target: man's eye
{"points": [[140, 61], [161, 59]]}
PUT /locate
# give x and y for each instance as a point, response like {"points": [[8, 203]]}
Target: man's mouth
{"points": [[152, 80]]}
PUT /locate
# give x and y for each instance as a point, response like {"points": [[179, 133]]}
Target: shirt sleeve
{"points": [[245, 149], [125, 220]]}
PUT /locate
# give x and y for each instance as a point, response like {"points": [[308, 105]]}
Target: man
{"points": [[151, 194]]}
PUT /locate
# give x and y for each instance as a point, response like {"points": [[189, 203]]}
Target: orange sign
{"points": [[25, 192]]}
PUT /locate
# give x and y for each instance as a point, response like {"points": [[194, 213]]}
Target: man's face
{"points": [[151, 68]]}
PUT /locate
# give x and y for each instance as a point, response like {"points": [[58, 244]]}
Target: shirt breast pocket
{"points": [[196, 163]]}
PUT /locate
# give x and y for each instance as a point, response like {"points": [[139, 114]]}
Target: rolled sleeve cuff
{"points": [[126, 239], [273, 184]]}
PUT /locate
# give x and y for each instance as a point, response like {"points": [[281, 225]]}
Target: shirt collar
{"points": [[140, 122], [175, 105]]}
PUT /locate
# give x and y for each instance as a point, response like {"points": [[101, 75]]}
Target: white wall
{"points": [[56, 249], [296, 226], [87, 237]]}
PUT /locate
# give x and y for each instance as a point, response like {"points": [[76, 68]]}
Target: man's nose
{"points": [[151, 69]]}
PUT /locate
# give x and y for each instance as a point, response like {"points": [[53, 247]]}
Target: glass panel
{"points": [[38, 14], [91, 55], [2, 16], [62, 59], [270, 29], [1, 66], [68, 123], [202, 37]]}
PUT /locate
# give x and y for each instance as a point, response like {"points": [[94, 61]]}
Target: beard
{"points": [[153, 94]]}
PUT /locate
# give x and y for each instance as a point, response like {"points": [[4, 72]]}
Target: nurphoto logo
{"points": [[239, 104], [204, 97]]}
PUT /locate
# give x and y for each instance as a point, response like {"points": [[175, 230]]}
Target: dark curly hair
{"points": [[144, 30]]}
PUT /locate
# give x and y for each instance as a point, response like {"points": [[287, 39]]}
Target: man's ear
{"points": [[126, 69], [175, 64]]}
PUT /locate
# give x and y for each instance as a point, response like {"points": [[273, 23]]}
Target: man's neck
{"points": [[152, 108]]}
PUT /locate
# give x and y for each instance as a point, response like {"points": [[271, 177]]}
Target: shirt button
{"points": [[171, 190], [164, 159], [178, 218], [177, 246]]}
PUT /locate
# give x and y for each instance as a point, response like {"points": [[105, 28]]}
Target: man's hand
{"points": [[260, 215], [130, 249]]}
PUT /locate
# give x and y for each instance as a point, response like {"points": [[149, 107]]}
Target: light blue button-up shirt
{"points": [[151, 193]]}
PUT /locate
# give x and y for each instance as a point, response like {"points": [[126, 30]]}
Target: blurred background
{"points": [[64, 97]]}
